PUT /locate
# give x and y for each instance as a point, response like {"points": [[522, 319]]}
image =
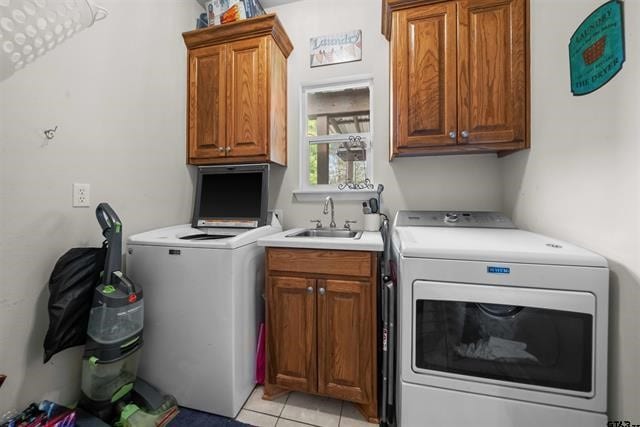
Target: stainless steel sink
{"points": [[342, 233]]}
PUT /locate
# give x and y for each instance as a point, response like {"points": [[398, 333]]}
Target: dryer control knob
{"points": [[451, 217]]}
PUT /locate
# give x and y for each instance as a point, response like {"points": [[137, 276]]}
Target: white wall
{"points": [[449, 182], [580, 180], [116, 91]]}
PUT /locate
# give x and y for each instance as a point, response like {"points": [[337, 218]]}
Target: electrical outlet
{"points": [[81, 195]]}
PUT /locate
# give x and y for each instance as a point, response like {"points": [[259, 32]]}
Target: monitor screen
{"points": [[231, 196]]}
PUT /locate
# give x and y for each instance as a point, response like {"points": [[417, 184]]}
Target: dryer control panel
{"points": [[453, 219]]}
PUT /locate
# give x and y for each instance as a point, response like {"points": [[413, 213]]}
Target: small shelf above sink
{"points": [[342, 233]]}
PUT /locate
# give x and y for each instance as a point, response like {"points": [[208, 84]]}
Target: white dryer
{"points": [[497, 326]]}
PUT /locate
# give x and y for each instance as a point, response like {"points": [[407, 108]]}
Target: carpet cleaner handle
{"points": [[107, 218], [112, 231]]}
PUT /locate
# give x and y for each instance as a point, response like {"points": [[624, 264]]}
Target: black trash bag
{"points": [[71, 286]]}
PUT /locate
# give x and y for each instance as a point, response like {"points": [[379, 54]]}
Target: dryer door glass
{"points": [[526, 344]]}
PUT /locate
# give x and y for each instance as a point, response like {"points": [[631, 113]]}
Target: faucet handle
{"points": [[347, 224], [318, 223]]}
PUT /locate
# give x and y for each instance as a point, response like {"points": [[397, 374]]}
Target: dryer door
{"points": [[528, 338]]}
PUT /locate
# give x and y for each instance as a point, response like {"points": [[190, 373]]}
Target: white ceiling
{"points": [[264, 3]]}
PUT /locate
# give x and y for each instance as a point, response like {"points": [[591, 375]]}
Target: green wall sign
{"points": [[596, 49]]}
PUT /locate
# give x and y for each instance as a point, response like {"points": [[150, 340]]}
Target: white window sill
{"points": [[318, 195]]}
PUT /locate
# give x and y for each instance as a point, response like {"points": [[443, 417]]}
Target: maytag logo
{"points": [[498, 270]]}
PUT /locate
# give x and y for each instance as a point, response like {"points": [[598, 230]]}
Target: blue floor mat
{"points": [[192, 418]]}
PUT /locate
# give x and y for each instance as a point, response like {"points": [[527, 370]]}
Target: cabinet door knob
{"points": [[321, 291], [465, 134], [310, 290], [452, 134], [228, 149], [221, 149]]}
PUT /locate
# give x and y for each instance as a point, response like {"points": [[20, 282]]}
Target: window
{"points": [[336, 128]]}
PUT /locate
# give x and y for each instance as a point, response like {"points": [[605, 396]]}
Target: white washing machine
{"points": [[497, 326], [203, 307], [203, 285]]}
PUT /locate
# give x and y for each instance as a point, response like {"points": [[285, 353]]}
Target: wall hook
{"points": [[50, 133]]}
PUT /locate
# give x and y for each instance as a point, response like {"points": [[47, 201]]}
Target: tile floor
{"points": [[300, 410]]}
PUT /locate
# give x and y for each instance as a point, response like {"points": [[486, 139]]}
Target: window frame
{"points": [[308, 189]]}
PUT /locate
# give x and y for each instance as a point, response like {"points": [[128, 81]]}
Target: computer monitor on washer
{"points": [[231, 196]]}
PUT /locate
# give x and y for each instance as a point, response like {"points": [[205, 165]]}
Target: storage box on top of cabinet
{"points": [[237, 92], [459, 76]]}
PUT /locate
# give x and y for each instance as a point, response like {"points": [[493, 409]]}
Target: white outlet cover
{"points": [[81, 195]]}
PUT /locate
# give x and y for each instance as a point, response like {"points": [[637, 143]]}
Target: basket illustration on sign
{"points": [[595, 51], [29, 28]]}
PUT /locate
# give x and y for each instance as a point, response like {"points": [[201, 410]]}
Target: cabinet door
{"points": [[207, 102], [345, 340], [423, 76], [491, 71], [247, 73], [291, 333]]}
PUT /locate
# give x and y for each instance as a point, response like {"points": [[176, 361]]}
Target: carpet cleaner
{"points": [[111, 390]]}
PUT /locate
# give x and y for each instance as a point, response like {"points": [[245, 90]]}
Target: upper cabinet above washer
{"points": [[459, 76], [237, 92]]}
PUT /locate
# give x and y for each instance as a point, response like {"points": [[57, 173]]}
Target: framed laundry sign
{"points": [[596, 49], [336, 48]]}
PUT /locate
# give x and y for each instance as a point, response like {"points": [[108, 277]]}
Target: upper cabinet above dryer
{"points": [[459, 76], [237, 92]]}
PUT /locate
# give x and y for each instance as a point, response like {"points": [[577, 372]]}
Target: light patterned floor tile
{"points": [[257, 404], [310, 409], [288, 423], [256, 419], [351, 417]]}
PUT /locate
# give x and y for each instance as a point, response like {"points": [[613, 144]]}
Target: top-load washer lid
{"points": [[473, 243], [231, 196]]}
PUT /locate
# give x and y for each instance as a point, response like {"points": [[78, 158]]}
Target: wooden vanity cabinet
{"points": [[321, 325], [237, 92], [459, 76]]}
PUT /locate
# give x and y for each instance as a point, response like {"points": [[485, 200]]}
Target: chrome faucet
{"points": [[325, 210]]}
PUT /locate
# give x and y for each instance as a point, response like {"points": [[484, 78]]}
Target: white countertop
{"points": [[369, 241]]}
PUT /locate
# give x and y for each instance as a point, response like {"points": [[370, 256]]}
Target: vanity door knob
{"points": [[321, 291], [452, 134], [228, 149], [310, 290], [221, 149], [465, 134]]}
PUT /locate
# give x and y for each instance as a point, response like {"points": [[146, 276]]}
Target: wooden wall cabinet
{"points": [[321, 325], [459, 76], [237, 92]]}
